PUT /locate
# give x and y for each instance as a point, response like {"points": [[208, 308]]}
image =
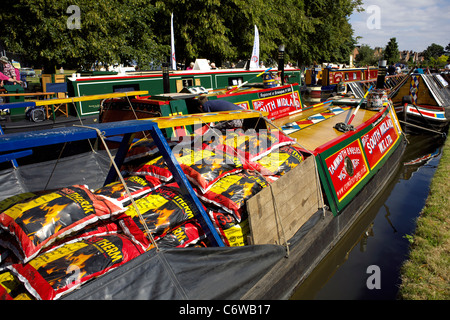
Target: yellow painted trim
{"points": [[89, 98]]}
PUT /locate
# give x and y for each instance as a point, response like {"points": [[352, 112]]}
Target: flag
{"points": [[254, 61], [172, 41]]}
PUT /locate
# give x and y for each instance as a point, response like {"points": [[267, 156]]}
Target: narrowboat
{"points": [[51, 113], [286, 222], [101, 83], [422, 103], [160, 82], [350, 81]]}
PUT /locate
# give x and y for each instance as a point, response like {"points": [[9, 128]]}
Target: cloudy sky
{"points": [[415, 23]]}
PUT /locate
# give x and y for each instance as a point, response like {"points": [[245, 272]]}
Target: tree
{"points": [[111, 31], [119, 31], [433, 51], [391, 53], [439, 62], [365, 56]]}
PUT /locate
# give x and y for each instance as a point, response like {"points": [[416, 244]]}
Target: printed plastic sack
{"points": [[138, 186], [39, 221], [9, 202], [233, 234], [202, 167], [65, 268], [205, 167], [11, 288], [162, 210], [280, 161], [145, 149], [187, 234], [231, 192], [7, 256], [253, 145], [262, 143], [99, 229]]}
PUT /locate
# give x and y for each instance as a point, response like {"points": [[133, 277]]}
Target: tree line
{"points": [[115, 31], [434, 55]]}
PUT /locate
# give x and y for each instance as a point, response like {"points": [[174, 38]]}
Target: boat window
{"points": [[235, 81], [188, 82], [126, 87]]}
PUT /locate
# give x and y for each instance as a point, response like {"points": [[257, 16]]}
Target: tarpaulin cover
{"points": [[86, 168], [173, 273], [188, 273]]}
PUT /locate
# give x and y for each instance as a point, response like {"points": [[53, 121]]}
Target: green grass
{"points": [[425, 275]]}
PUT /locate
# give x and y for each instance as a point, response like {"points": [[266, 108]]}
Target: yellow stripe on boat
{"points": [[190, 119], [89, 98]]}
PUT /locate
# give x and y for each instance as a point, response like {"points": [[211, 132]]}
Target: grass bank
{"points": [[426, 274]]}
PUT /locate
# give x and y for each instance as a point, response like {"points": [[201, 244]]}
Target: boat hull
{"points": [[423, 118], [258, 271]]}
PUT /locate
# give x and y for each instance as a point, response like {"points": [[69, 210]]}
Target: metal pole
{"points": [[281, 62]]}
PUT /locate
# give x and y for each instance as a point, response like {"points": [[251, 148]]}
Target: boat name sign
{"points": [[379, 140]]}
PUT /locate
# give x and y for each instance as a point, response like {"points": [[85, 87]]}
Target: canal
{"points": [[376, 246]]}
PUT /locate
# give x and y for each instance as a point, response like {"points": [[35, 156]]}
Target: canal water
{"points": [[373, 251]]}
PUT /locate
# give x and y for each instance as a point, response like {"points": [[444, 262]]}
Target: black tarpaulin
{"points": [[86, 168], [191, 273]]}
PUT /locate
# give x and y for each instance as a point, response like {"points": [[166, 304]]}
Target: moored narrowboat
{"points": [[422, 103], [267, 245]]}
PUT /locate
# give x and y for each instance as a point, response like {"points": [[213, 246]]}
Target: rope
{"points": [[274, 202], [147, 230], [64, 146], [132, 109], [81, 121], [54, 167], [423, 128], [319, 187]]}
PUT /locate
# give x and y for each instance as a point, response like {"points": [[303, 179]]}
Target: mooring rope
{"points": [[134, 112], [277, 214], [122, 180], [63, 148], [423, 128], [319, 187]]}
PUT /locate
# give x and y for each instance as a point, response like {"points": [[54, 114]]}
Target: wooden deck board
{"points": [[322, 132]]}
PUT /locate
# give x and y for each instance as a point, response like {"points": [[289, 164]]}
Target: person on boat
{"points": [[191, 66], [418, 70], [220, 105], [9, 70], [5, 78]]}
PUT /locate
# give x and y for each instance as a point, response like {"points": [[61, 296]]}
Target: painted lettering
{"points": [[110, 249]]}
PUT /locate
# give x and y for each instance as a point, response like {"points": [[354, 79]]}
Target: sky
{"points": [[415, 24]]}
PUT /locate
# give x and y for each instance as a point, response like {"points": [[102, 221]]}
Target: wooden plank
{"points": [[31, 94], [296, 200], [301, 115], [320, 133], [190, 119], [89, 98]]}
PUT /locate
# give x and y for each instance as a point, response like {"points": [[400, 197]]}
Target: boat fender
{"points": [[407, 100]]}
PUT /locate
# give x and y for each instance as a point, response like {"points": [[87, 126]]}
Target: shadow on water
{"points": [[378, 237]]}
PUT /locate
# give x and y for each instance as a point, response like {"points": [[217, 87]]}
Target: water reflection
{"points": [[380, 232]]}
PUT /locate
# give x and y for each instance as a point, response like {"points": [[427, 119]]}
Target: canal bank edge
{"points": [[426, 273]]}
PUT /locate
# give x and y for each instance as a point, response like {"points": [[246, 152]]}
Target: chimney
{"points": [[381, 74]]}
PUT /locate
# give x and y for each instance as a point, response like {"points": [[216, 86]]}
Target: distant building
{"points": [[411, 56]]}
